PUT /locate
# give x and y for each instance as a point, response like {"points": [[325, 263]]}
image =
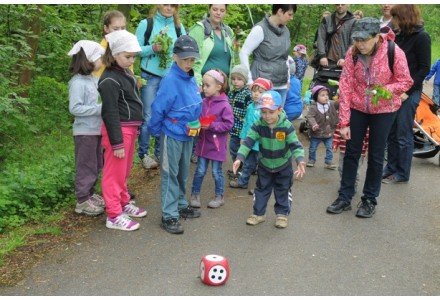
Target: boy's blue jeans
{"points": [[148, 93], [234, 144], [175, 159], [249, 166], [314, 143], [217, 174]]}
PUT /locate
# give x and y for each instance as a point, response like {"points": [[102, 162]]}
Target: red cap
{"points": [[264, 83]]}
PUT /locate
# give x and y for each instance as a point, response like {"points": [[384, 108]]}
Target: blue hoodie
{"points": [[435, 70], [149, 59], [293, 105], [177, 103]]}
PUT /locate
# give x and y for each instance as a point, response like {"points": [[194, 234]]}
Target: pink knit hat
{"points": [[300, 48], [263, 83]]}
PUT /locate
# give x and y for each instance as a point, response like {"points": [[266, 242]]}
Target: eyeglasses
{"points": [[359, 40]]}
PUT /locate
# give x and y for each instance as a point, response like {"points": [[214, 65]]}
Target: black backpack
{"points": [[208, 29], [147, 33], [391, 45]]}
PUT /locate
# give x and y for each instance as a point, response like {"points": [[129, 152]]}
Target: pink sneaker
{"points": [[122, 222], [134, 211]]}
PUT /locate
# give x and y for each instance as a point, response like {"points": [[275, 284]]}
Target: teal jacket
{"points": [[149, 59], [277, 145], [252, 115], [197, 31]]}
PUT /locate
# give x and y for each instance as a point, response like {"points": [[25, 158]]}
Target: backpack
{"points": [[147, 33], [208, 29], [391, 45]]}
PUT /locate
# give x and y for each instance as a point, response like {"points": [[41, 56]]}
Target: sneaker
{"points": [[366, 209], [88, 208], [216, 202], [330, 166], [172, 226], [149, 163], [122, 222], [97, 200], [338, 206], [194, 159], [310, 163], [134, 211], [281, 221], [195, 201], [254, 219], [189, 213], [234, 184], [392, 179]]}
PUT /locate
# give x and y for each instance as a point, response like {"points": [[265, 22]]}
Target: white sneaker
{"points": [[134, 211], [88, 208], [149, 163], [122, 222]]}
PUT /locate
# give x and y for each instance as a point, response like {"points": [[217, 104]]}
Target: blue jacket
{"points": [[294, 105], [177, 103], [149, 59], [435, 70]]}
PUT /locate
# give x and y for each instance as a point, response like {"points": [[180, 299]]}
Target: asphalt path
{"points": [[397, 252]]}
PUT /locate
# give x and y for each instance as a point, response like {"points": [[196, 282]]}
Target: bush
{"points": [[49, 105], [27, 193]]}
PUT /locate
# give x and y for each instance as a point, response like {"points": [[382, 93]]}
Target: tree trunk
{"points": [[32, 25], [125, 9]]}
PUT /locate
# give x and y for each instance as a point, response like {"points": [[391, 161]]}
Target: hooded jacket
{"points": [[435, 70], [149, 59], [417, 48], [208, 146], [207, 44], [277, 145], [356, 79], [177, 103]]}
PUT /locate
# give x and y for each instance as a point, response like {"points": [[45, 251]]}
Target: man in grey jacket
{"points": [[334, 36]]}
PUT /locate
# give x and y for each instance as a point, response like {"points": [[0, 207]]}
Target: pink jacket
{"points": [[356, 79]]}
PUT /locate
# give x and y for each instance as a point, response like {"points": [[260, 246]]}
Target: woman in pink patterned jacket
{"points": [[365, 76]]}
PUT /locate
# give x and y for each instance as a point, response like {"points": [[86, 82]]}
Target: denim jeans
{"points": [[283, 93], [217, 174], [249, 166], [314, 143], [148, 93], [436, 94], [175, 159], [234, 144], [380, 125], [401, 139]]}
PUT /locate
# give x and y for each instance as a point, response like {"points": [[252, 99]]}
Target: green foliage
{"points": [[29, 191], [49, 105]]}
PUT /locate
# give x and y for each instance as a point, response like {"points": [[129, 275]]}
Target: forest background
{"points": [[36, 144]]}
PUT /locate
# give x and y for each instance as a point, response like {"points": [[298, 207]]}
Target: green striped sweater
{"points": [[277, 145]]}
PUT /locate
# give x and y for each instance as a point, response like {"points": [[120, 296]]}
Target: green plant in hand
{"points": [[379, 92], [166, 43]]}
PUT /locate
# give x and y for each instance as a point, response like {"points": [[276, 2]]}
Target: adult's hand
{"points": [[340, 62], [345, 133]]}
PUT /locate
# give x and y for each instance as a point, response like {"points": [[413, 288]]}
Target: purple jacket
{"points": [[224, 120]]}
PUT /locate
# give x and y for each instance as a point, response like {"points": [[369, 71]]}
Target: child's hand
{"points": [[235, 166], [120, 153], [299, 173], [315, 127]]}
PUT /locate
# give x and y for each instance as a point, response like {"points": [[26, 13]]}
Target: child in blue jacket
{"points": [[435, 70], [177, 105], [293, 105]]}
